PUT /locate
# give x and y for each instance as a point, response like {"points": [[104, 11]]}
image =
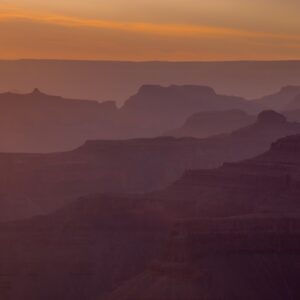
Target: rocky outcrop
{"points": [[267, 183], [182, 99]]}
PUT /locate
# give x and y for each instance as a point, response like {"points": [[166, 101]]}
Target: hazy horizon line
{"points": [[150, 61]]}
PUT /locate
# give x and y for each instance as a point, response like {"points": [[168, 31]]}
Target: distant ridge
{"points": [[205, 124], [38, 122], [115, 80], [281, 100]]}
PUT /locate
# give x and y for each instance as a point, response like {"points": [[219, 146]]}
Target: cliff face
{"points": [[236, 258], [32, 184], [267, 183]]}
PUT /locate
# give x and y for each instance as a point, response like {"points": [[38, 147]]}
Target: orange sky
{"points": [[150, 30]]}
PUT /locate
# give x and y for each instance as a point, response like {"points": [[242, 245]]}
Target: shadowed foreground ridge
{"points": [[237, 238], [254, 257]]}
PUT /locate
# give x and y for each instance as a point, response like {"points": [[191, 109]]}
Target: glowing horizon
{"points": [[93, 31]]}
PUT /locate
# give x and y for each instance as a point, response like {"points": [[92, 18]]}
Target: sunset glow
{"points": [[119, 30]]}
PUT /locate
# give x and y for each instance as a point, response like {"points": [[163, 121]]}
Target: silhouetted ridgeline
{"points": [[156, 109], [118, 80], [48, 181], [267, 183], [37, 122]]}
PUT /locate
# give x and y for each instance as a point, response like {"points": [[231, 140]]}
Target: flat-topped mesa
{"points": [[183, 101], [190, 240], [152, 90]]}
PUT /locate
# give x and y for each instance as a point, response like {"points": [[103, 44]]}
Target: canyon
{"points": [[47, 182], [212, 228]]}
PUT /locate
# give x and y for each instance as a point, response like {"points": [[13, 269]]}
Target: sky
{"points": [[139, 30]]}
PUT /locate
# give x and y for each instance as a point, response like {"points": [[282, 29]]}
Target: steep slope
{"points": [[211, 123], [268, 183]]}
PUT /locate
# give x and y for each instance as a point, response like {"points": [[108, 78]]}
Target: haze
{"points": [[150, 30]]}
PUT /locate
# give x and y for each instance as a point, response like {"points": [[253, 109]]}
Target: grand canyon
{"points": [[149, 150], [165, 217]]}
